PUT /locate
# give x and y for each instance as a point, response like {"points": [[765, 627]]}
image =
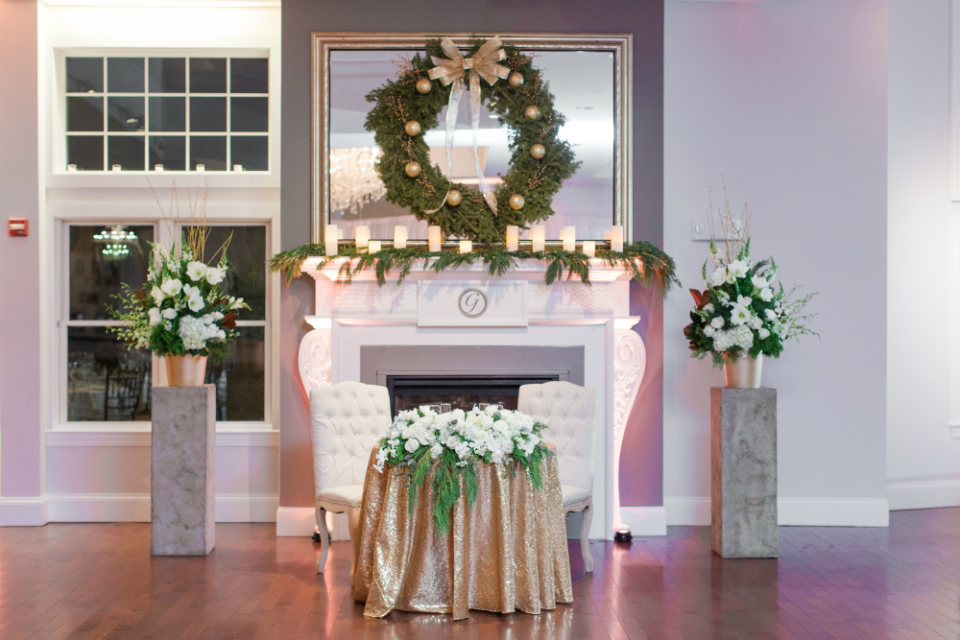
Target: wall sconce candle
{"points": [[538, 235], [400, 237], [158, 167], [433, 238], [238, 167], [466, 246], [569, 237], [513, 237], [363, 236], [201, 168], [616, 239], [590, 248], [330, 240], [373, 246]]}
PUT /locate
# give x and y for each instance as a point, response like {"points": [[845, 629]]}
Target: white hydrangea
{"points": [[195, 332]]}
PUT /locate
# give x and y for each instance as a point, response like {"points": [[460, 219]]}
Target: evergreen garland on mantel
{"points": [[650, 266]]}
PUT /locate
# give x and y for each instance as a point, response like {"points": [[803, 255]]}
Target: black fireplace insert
{"points": [[460, 391]]}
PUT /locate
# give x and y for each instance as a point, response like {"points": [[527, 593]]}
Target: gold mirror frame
{"points": [[621, 45]]}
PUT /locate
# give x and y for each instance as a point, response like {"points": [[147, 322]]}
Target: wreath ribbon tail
{"points": [[484, 186]]}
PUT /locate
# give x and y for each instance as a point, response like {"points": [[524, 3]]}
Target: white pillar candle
{"points": [[373, 246], [363, 236], [400, 237], [466, 246], [330, 240], [590, 248], [513, 237], [616, 238], [538, 235], [238, 167], [433, 238], [569, 237]]}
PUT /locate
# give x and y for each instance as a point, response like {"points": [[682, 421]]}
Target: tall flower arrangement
{"points": [[743, 311], [181, 310]]}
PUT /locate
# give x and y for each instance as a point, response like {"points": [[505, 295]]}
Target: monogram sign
{"points": [[471, 303]]}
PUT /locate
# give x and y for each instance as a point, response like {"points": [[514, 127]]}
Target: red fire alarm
{"points": [[18, 226]]}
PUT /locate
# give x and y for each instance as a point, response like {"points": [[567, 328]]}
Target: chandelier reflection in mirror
{"points": [[354, 181], [116, 242]]}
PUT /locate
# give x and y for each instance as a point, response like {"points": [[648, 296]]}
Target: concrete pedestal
{"points": [[743, 465], [183, 471]]}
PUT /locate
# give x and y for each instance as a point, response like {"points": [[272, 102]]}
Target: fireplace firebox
{"points": [[460, 391]]}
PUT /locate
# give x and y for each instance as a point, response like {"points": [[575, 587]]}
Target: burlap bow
{"points": [[451, 70]]}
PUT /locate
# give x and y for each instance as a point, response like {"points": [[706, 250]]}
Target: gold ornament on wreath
{"points": [[505, 79]]}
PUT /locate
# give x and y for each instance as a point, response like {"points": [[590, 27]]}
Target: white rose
{"points": [[217, 315], [169, 314], [708, 307], [717, 323], [195, 303], [709, 331], [154, 314], [214, 275], [436, 450], [222, 334], [770, 314], [766, 294], [486, 421], [759, 282], [719, 276], [764, 334], [412, 445], [756, 323], [157, 294], [196, 271], [171, 287]]}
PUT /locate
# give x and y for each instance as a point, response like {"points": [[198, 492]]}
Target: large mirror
{"points": [[588, 75]]}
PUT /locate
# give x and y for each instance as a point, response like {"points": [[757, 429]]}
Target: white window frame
{"points": [[58, 176], [158, 369]]}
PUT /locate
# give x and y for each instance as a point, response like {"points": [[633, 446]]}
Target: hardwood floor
{"points": [[99, 581]]}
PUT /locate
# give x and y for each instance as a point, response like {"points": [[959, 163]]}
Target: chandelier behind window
{"points": [[115, 242], [353, 179]]}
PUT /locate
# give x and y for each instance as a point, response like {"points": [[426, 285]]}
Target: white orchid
{"points": [[744, 301], [191, 291], [739, 315], [739, 268], [214, 275], [195, 303], [171, 287], [196, 271]]}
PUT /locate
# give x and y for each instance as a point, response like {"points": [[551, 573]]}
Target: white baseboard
{"points": [[798, 512], [135, 507], [923, 494], [645, 521], [24, 512], [687, 511], [833, 512], [301, 521]]}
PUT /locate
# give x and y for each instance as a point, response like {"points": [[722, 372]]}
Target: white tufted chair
{"points": [[348, 419], [570, 413]]}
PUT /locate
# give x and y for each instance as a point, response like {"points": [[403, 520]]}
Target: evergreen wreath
{"points": [[398, 103]]}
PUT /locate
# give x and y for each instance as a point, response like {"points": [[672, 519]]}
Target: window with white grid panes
{"points": [[156, 113]]}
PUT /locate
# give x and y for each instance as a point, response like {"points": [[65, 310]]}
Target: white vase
{"points": [[186, 371], [742, 372]]}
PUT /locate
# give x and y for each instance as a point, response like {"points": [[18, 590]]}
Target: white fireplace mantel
{"points": [[518, 309]]}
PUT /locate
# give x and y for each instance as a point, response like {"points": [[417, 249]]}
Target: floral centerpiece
{"points": [[181, 313], [743, 314], [456, 441]]}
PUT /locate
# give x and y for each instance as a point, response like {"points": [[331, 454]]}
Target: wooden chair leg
{"points": [[353, 525], [585, 537], [324, 538]]}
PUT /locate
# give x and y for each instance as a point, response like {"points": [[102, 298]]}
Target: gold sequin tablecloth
{"points": [[506, 553]]}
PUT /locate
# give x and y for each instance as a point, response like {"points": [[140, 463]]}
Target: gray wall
{"points": [[643, 444]]}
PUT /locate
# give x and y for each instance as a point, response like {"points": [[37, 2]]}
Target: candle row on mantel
{"points": [[568, 235]]}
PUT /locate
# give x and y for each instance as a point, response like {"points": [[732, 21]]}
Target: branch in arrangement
{"points": [[648, 265]]}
